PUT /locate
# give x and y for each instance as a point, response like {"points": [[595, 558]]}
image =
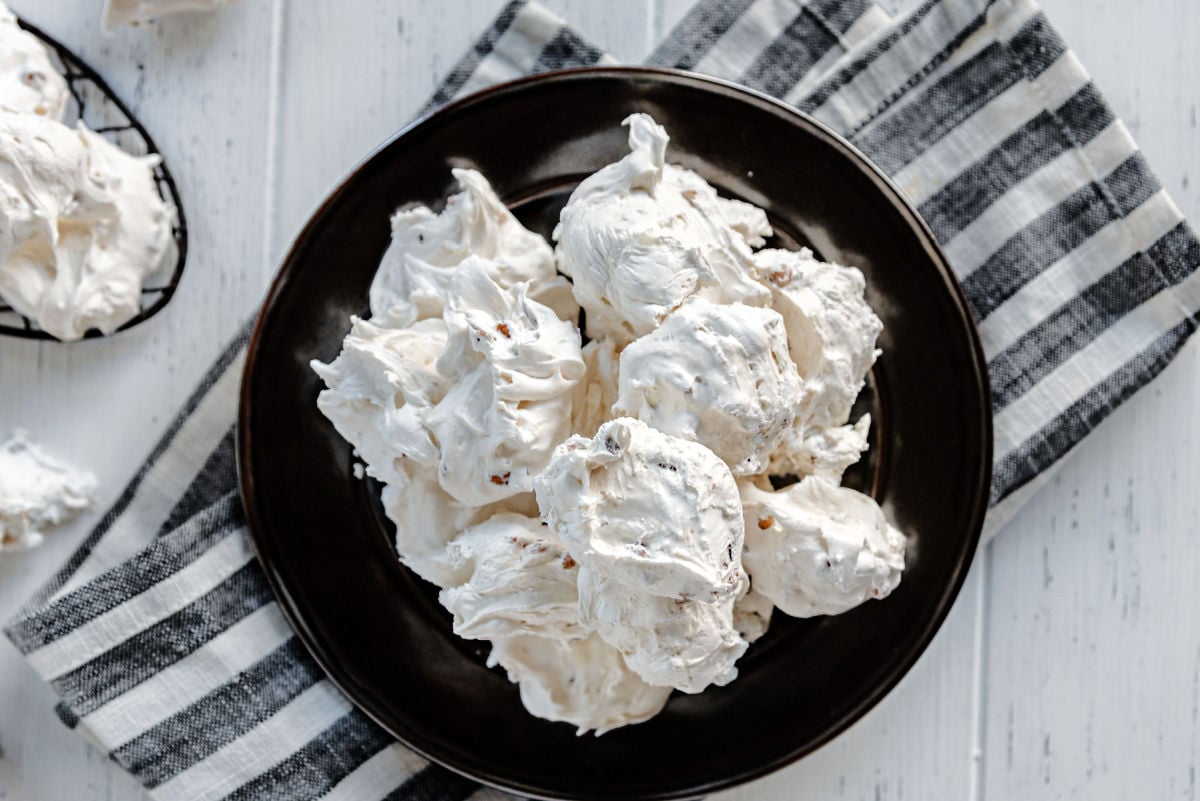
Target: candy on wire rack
{"points": [[94, 102]]}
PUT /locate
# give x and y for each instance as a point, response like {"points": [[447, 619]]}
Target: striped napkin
{"points": [[161, 635]]}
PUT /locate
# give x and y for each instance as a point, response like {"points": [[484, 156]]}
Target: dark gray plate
{"points": [[377, 629]]}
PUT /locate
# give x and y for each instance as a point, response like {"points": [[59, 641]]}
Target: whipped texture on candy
{"points": [[427, 247], [715, 374], [520, 579], [599, 508], [513, 366], [29, 81], [683, 643], [831, 336], [659, 513], [815, 548], [37, 492], [584, 682], [82, 226], [641, 236]]}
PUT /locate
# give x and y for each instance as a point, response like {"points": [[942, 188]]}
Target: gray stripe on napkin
{"points": [[786, 60], [209, 485], [465, 68], [903, 136], [566, 50], [158, 562], [693, 37], [323, 762], [220, 717], [986, 179], [149, 651], [1077, 420], [895, 38], [1033, 146], [1056, 233], [1078, 322]]}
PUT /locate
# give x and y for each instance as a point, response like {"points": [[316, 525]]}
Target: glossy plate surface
{"points": [[377, 629]]}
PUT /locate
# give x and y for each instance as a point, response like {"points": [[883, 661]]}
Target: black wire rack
{"points": [[94, 102]]}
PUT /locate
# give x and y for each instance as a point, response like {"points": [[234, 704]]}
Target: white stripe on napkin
{"points": [[986, 129], [177, 687], [516, 50], [739, 46], [1001, 29], [104, 632], [1105, 250], [858, 101], [1039, 193], [1123, 341], [259, 750], [873, 20]]}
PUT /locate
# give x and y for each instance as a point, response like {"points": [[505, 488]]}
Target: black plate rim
{"points": [[979, 504]]}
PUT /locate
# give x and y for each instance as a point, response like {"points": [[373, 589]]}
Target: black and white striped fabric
{"points": [[161, 635]]}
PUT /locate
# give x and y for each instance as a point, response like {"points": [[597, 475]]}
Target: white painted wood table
{"points": [[1070, 666]]}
